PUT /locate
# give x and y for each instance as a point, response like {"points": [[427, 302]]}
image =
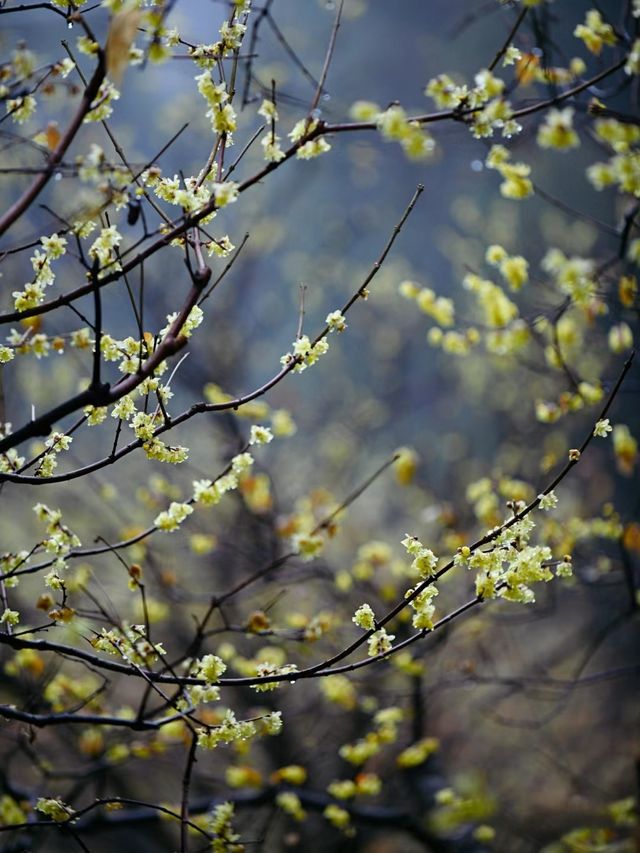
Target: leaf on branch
{"points": [[122, 32], [52, 135]]}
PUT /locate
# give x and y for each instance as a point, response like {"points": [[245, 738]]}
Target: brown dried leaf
{"points": [[526, 68], [52, 135], [122, 32]]}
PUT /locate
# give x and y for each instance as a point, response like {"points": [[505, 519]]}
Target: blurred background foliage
{"points": [[535, 750]]}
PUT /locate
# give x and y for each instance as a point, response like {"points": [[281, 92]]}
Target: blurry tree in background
{"points": [[390, 604]]}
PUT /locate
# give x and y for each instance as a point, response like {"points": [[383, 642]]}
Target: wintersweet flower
{"points": [[364, 617], [602, 428]]}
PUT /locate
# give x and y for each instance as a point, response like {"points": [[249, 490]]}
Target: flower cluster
{"points": [[103, 249], [311, 147], [209, 492], [231, 35], [423, 607], [625, 447], [632, 65], [53, 247], [454, 342], [573, 276], [10, 812], [497, 308], [595, 33], [512, 566], [10, 617], [130, 642], [171, 519], [225, 838], [55, 809], [557, 130], [513, 268], [380, 643], [266, 669], [621, 169], [405, 466], [488, 109], [307, 151], [440, 308], [194, 319], [340, 691], [260, 434], [339, 817], [586, 394], [364, 783], [190, 194], [60, 538], [228, 731], [222, 114], [291, 805], [210, 668], [395, 126], [418, 752], [307, 545], [516, 181], [364, 617], [101, 108], [385, 731], [548, 500], [336, 321], [305, 353], [22, 108], [424, 560], [55, 444]]}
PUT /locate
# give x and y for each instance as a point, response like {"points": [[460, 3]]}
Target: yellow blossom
{"points": [[557, 130], [595, 32]]}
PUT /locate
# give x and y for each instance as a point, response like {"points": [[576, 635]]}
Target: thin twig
{"points": [[328, 58], [514, 29]]}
